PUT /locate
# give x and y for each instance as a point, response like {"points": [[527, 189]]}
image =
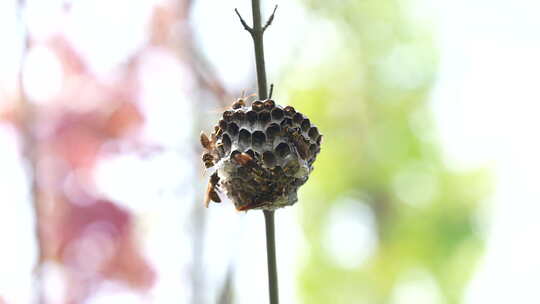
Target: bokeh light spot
{"points": [[415, 185], [42, 75], [350, 237], [418, 287]]}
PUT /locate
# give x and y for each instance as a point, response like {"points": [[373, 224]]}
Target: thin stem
{"points": [[271, 256], [259, 48], [271, 91], [257, 32]]}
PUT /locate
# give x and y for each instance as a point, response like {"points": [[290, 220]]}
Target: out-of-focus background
{"points": [[425, 190]]}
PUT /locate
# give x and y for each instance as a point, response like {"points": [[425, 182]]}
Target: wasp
{"points": [[243, 159], [211, 190], [208, 160], [301, 146], [208, 143], [240, 102], [251, 167], [299, 142], [237, 104]]}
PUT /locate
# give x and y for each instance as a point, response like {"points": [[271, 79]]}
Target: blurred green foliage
{"points": [[369, 99]]}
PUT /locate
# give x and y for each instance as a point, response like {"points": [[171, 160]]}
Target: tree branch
{"points": [[257, 32]]}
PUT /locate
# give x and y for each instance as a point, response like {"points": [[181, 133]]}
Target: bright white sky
{"points": [[486, 103]]}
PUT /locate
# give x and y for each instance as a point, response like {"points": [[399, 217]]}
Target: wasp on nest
{"points": [[262, 153]]}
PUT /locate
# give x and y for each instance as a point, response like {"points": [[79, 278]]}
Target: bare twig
{"points": [[270, 19], [244, 24], [257, 32], [271, 91]]}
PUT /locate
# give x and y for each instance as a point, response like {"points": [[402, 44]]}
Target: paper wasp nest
{"points": [[263, 153]]}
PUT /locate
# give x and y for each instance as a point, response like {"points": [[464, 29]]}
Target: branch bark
{"points": [[257, 33]]}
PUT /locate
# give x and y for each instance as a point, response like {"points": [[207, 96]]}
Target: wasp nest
{"points": [[263, 153]]}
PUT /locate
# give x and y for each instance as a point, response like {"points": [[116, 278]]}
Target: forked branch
{"points": [[250, 29]]}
